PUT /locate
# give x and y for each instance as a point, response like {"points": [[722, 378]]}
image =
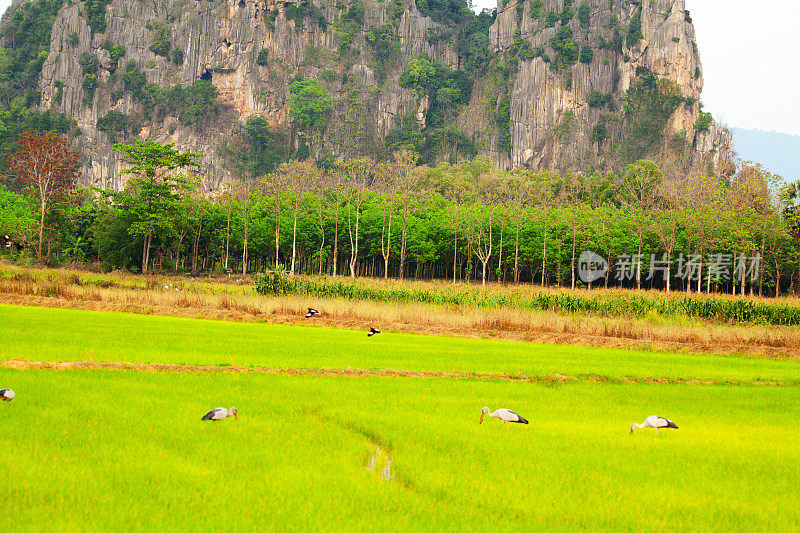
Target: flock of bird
{"points": [[313, 312], [506, 415]]}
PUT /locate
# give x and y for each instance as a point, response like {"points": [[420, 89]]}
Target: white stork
{"points": [[6, 395], [506, 415], [220, 413], [654, 422], [373, 331], [311, 312]]}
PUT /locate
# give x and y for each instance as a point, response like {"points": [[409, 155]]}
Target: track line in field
{"points": [[551, 379]]}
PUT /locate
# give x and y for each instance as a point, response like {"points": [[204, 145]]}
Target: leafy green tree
{"points": [[116, 123], [418, 74], [263, 57], [583, 15], [634, 33], [134, 80], [649, 103], [117, 52], [96, 15], [598, 99], [160, 38], [157, 180], [90, 66], [16, 217], [177, 56], [790, 208], [587, 55], [703, 122], [197, 103], [565, 47], [264, 147], [309, 104]]}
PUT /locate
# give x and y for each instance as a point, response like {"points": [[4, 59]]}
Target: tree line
{"points": [[362, 217]]}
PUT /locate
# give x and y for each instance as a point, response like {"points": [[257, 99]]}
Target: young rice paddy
{"points": [[99, 449]]}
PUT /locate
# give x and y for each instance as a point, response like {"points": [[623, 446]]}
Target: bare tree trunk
{"points": [[246, 235], [544, 255], [294, 232], [516, 255], [500, 254], [669, 269], [761, 270], [742, 281], [574, 243], [639, 260], [403, 241], [277, 235], [196, 248], [146, 251], [455, 254], [796, 281], [353, 242], [336, 240], [321, 248], [386, 231], [181, 235], [41, 229], [228, 238]]}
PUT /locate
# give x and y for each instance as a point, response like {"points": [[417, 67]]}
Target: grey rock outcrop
{"points": [[541, 100], [221, 42]]}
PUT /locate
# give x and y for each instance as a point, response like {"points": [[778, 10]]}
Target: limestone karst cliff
{"points": [[553, 90]]}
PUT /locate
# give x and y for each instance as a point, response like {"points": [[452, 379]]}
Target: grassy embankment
{"points": [[494, 311]]}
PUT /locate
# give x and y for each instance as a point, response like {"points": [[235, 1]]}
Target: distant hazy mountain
{"points": [[778, 152]]}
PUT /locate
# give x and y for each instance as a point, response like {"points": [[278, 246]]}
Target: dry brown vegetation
{"points": [[235, 300]]}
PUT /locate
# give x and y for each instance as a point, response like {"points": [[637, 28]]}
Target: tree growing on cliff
{"points": [[46, 168], [156, 184], [309, 104]]}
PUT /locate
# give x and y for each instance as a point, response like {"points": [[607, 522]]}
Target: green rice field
{"points": [[103, 450]]}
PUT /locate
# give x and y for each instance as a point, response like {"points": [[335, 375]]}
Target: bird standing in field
{"points": [[7, 395], [220, 413], [373, 331], [311, 312], [506, 415], [654, 422]]}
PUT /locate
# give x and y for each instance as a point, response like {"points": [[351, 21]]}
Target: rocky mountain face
{"points": [[550, 120], [541, 99]]}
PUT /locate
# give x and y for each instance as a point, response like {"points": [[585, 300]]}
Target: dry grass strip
{"points": [[232, 301]]}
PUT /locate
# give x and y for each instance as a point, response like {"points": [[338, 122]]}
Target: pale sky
{"points": [[751, 64]]}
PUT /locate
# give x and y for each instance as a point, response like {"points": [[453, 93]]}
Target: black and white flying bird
{"points": [[373, 331], [506, 415], [6, 395], [220, 413], [311, 312], [654, 422]]}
